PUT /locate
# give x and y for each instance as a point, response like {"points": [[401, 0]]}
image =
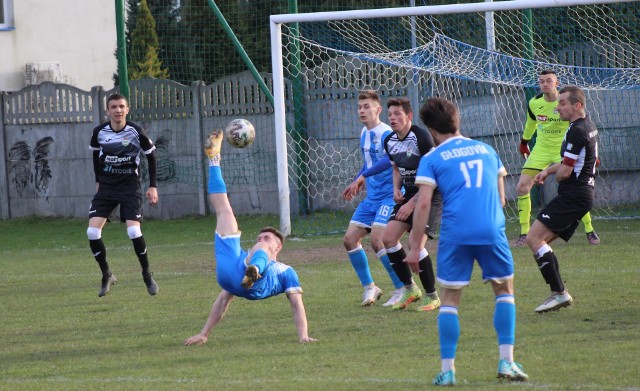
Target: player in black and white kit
{"points": [[118, 146], [405, 146], [576, 177]]}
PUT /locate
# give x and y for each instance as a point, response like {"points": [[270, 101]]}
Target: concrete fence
{"points": [[46, 166]]}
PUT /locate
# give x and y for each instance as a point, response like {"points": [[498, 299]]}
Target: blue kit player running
{"points": [[373, 212], [253, 274], [470, 177]]}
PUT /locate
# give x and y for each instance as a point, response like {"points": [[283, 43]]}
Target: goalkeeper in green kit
{"points": [[543, 119]]}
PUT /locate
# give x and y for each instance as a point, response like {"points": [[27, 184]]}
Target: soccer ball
{"points": [[240, 133]]}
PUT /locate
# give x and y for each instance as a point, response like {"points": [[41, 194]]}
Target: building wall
{"points": [[78, 35]]}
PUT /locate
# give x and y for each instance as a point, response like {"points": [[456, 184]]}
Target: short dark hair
{"points": [[369, 94], [576, 95], [548, 72], [440, 115], [273, 231], [116, 96], [403, 102]]}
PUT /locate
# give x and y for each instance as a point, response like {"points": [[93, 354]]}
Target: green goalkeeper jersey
{"points": [[544, 119]]}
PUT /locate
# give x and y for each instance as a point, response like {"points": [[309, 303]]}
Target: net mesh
{"points": [[594, 47]]}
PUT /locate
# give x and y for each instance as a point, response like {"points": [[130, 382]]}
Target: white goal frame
{"points": [[276, 22]]}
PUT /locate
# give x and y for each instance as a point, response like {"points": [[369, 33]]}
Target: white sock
{"points": [[506, 352], [448, 365]]}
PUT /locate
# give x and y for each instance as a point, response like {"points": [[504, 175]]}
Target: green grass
{"points": [[55, 333]]}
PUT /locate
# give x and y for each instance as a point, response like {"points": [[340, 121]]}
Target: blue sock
{"points": [[216, 182], [448, 331], [259, 259], [384, 258], [360, 264], [504, 319]]}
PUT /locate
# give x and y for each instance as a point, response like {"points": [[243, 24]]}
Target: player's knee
{"points": [[349, 242], [389, 241], [94, 233], [134, 231], [523, 188], [377, 245]]}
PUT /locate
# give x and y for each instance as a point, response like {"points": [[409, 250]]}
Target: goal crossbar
{"points": [[511, 5]]}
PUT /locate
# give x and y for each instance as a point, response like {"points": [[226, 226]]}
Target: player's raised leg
{"points": [[226, 222]]}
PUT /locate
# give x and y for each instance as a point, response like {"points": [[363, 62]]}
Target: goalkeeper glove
{"points": [[524, 148]]}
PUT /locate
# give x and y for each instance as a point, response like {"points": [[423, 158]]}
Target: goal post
{"points": [[481, 56]]}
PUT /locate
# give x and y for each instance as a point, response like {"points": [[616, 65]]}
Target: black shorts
{"points": [[409, 220], [562, 215], [108, 198], [434, 216]]}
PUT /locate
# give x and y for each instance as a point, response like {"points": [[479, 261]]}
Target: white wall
{"points": [[80, 35]]}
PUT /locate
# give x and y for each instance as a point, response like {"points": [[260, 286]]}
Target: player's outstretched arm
{"points": [[225, 219], [300, 317], [218, 309]]}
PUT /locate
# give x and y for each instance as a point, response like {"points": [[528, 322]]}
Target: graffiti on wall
{"points": [[29, 169]]}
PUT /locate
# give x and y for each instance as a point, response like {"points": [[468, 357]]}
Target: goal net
{"points": [[486, 57]]}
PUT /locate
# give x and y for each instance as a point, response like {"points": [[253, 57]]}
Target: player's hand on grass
{"points": [[196, 340], [523, 148], [308, 339]]}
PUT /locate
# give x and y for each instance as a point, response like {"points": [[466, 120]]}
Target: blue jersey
{"points": [[277, 277], [466, 172], [379, 186]]}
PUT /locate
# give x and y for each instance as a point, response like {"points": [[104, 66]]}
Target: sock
{"points": [[259, 259], [448, 331], [216, 182], [547, 264], [386, 262], [100, 254], [504, 321], [140, 247], [448, 364], [586, 220], [396, 256], [524, 213], [360, 264], [426, 274]]}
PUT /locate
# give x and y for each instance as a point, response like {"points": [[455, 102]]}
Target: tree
{"points": [[143, 59]]}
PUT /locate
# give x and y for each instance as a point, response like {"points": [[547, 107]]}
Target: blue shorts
{"points": [[231, 264], [455, 263], [370, 213]]}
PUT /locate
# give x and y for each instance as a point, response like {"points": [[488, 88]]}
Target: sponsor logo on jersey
{"points": [[407, 172], [110, 170], [541, 118], [125, 143], [117, 159]]}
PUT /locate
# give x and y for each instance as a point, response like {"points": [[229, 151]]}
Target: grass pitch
{"points": [[55, 333]]}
